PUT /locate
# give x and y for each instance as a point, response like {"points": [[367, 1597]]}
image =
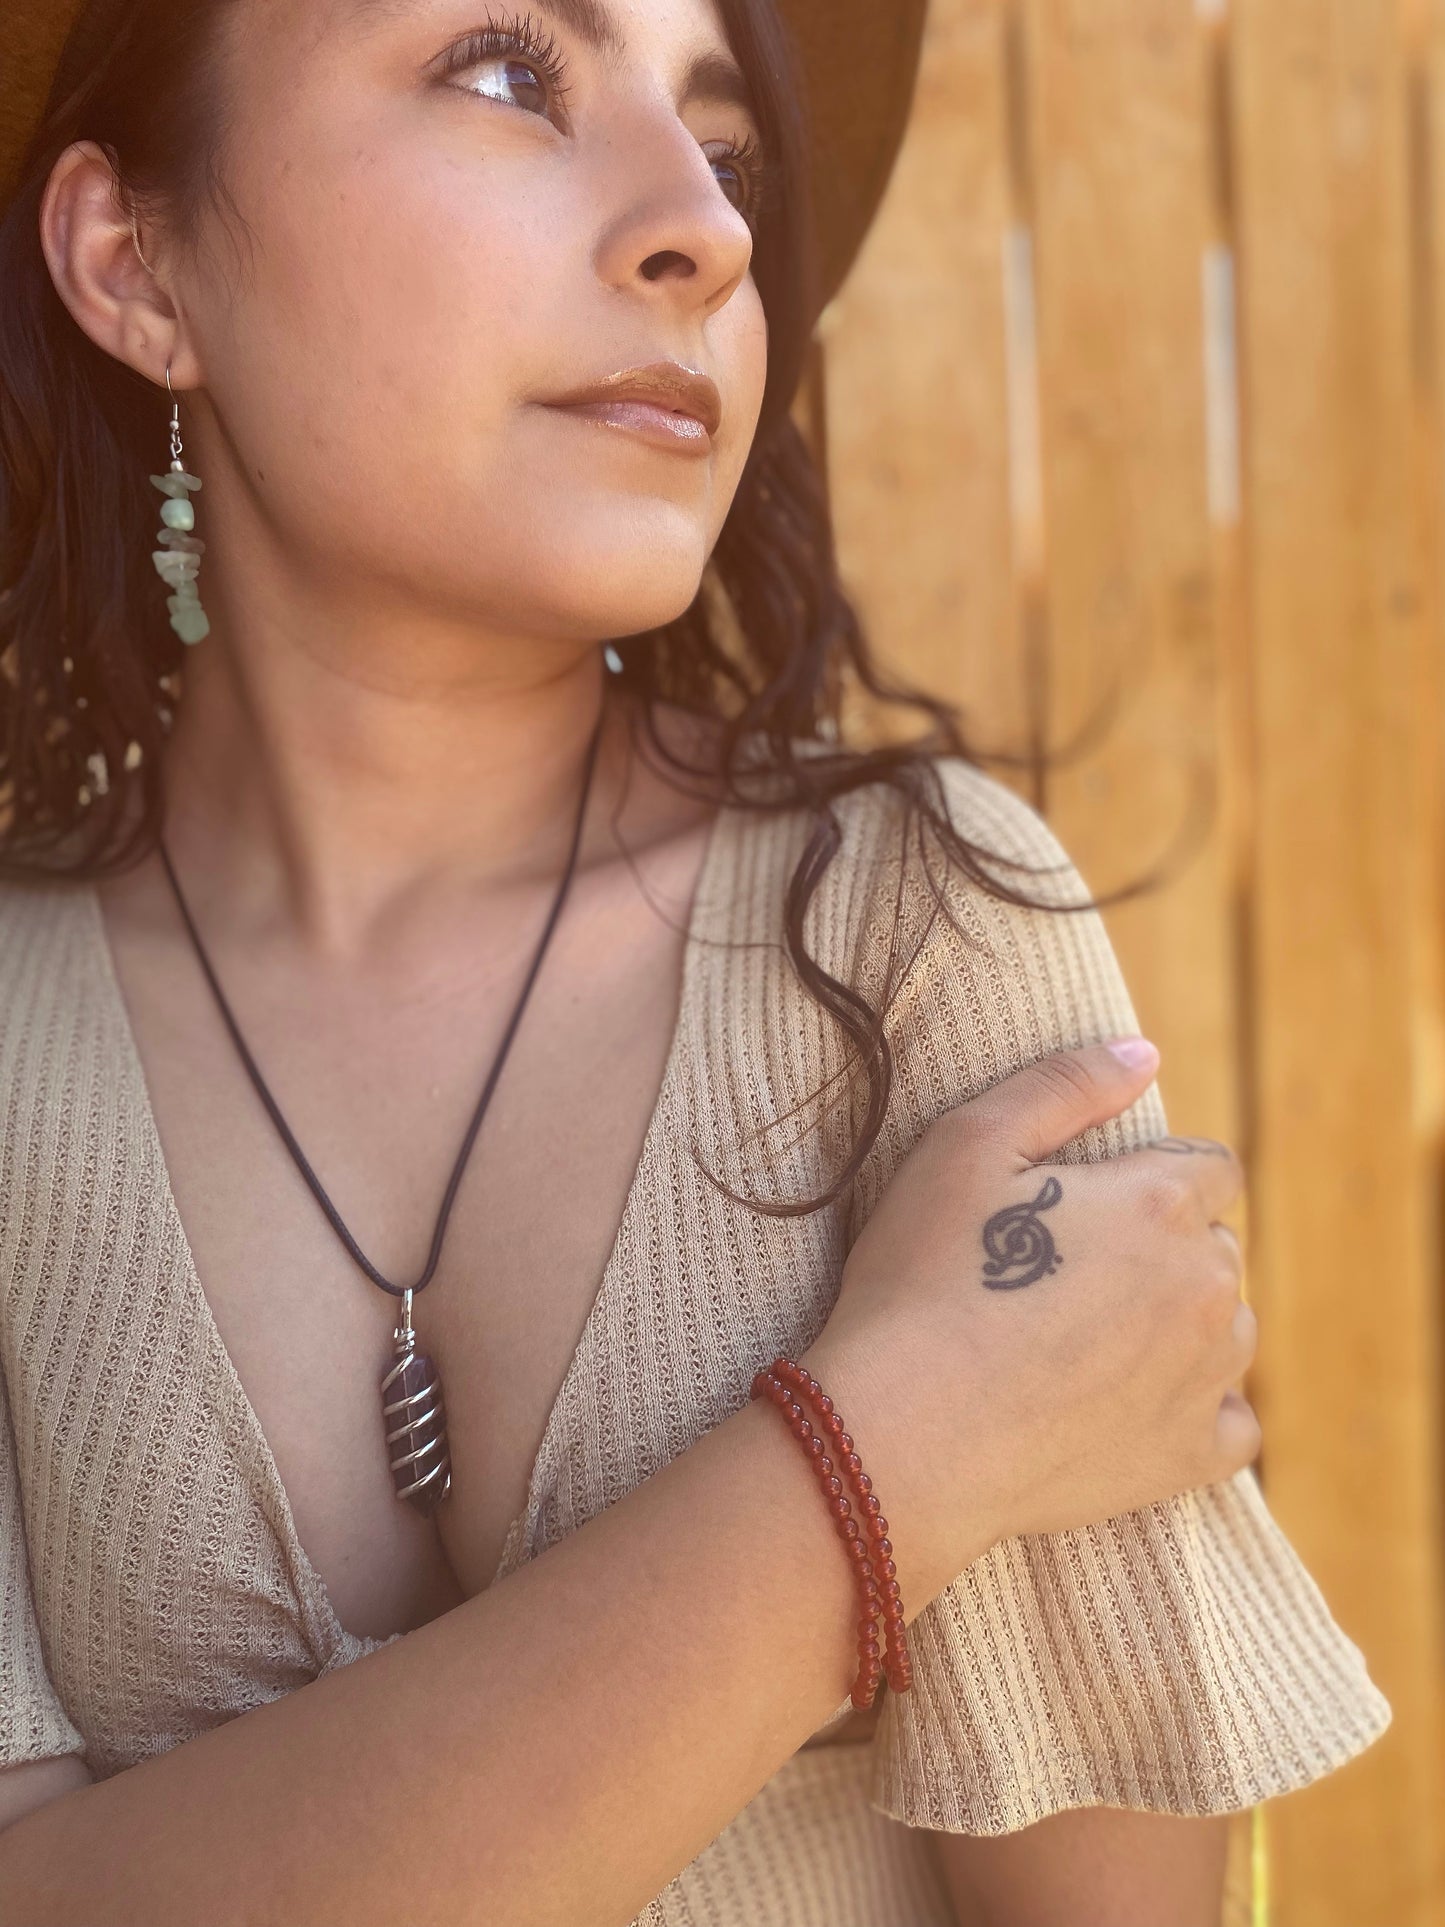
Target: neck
{"points": [[300, 791]]}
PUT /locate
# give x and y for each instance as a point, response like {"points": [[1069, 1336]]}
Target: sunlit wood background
{"points": [[1134, 430]]}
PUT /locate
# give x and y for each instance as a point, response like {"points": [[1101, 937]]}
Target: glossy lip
{"points": [[664, 401]]}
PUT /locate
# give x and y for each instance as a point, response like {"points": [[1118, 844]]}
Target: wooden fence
{"points": [[1133, 419]]}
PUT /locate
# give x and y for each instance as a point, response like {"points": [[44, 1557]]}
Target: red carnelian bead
{"points": [[876, 1528], [845, 1443], [826, 1465], [870, 1588], [835, 1426], [853, 1462], [890, 1589], [835, 1485], [841, 1508], [868, 1649], [884, 1547], [870, 1503], [825, 1404], [886, 1568], [816, 1448], [852, 1529]]}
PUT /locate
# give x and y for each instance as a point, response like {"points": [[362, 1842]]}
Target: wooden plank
{"points": [[917, 391], [1346, 1257], [1119, 112], [1141, 548]]}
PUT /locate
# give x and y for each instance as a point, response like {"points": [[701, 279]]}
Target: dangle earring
{"points": [[178, 560]]}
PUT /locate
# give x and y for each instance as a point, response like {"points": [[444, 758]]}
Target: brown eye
{"points": [[730, 180], [736, 171], [512, 80], [511, 63]]}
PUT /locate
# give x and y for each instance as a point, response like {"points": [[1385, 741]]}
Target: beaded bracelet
{"points": [[788, 1386], [897, 1664]]}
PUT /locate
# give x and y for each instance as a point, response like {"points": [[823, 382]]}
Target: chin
{"points": [[628, 610], [639, 576]]}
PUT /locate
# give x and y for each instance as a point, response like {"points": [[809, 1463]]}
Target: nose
{"points": [[673, 233]]}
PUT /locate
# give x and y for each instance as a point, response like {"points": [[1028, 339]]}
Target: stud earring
{"points": [[178, 560]]}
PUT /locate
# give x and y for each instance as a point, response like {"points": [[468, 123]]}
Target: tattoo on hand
{"points": [[1015, 1240], [1211, 1147]]}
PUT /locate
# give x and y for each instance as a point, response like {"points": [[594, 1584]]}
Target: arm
{"points": [[554, 1751], [1090, 1867]]}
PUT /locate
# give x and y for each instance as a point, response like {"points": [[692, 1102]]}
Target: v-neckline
{"points": [[319, 1601]]}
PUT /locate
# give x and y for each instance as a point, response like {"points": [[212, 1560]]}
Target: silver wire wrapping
{"points": [[414, 1415]]}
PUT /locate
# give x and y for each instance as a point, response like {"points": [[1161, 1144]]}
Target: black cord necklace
{"points": [[413, 1412]]}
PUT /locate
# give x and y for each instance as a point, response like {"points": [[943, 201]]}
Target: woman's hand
{"points": [[1040, 1346]]}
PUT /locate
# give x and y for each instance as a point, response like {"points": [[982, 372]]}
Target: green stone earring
{"points": [[178, 560]]}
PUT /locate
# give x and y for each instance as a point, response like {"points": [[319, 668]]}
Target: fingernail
{"points": [[1134, 1051]]}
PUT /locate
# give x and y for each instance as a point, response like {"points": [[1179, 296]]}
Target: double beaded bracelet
{"points": [[866, 1539]]}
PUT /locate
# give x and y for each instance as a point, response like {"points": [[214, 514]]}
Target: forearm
{"points": [[1090, 1867], [552, 1752]]}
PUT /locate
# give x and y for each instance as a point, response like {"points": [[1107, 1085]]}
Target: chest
{"points": [[380, 1091], [193, 1359]]}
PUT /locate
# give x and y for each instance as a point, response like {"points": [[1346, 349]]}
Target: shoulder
{"points": [[47, 990], [895, 909], [979, 967], [42, 928]]}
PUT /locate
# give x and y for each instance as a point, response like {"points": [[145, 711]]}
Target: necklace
{"points": [[412, 1408]]}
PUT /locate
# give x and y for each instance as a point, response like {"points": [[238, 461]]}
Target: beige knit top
{"points": [[1177, 1658]]}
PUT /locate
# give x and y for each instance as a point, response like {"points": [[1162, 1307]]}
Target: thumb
{"points": [[1041, 1107]]}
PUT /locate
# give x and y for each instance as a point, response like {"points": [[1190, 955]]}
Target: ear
{"points": [[90, 249]]}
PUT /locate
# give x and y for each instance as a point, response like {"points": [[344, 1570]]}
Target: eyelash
{"points": [[521, 36], [512, 35]]}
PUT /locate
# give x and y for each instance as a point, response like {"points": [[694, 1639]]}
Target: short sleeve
{"points": [[1174, 1659], [33, 1723]]}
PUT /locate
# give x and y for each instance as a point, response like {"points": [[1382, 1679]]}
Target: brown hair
{"points": [[88, 673]]}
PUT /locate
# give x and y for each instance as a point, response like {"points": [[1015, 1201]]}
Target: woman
{"points": [[478, 330]]}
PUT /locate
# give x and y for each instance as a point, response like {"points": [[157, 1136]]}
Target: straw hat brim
{"points": [[860, 60]]}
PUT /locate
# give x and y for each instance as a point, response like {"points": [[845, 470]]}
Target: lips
{"points": [[665, 402]]}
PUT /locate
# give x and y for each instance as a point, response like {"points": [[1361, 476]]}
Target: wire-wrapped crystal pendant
{"points": [[416, 1421]]}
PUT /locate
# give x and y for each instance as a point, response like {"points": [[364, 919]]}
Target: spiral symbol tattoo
{"points": [[1015, 1240]]}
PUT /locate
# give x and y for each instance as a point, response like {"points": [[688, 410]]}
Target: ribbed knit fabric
{"points": [[1179, 1658]]}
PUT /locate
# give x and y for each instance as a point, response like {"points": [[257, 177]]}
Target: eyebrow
{"points": [[714, 78]]}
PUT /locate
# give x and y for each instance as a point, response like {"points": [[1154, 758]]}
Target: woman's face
{"points": [[456, 213]]}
